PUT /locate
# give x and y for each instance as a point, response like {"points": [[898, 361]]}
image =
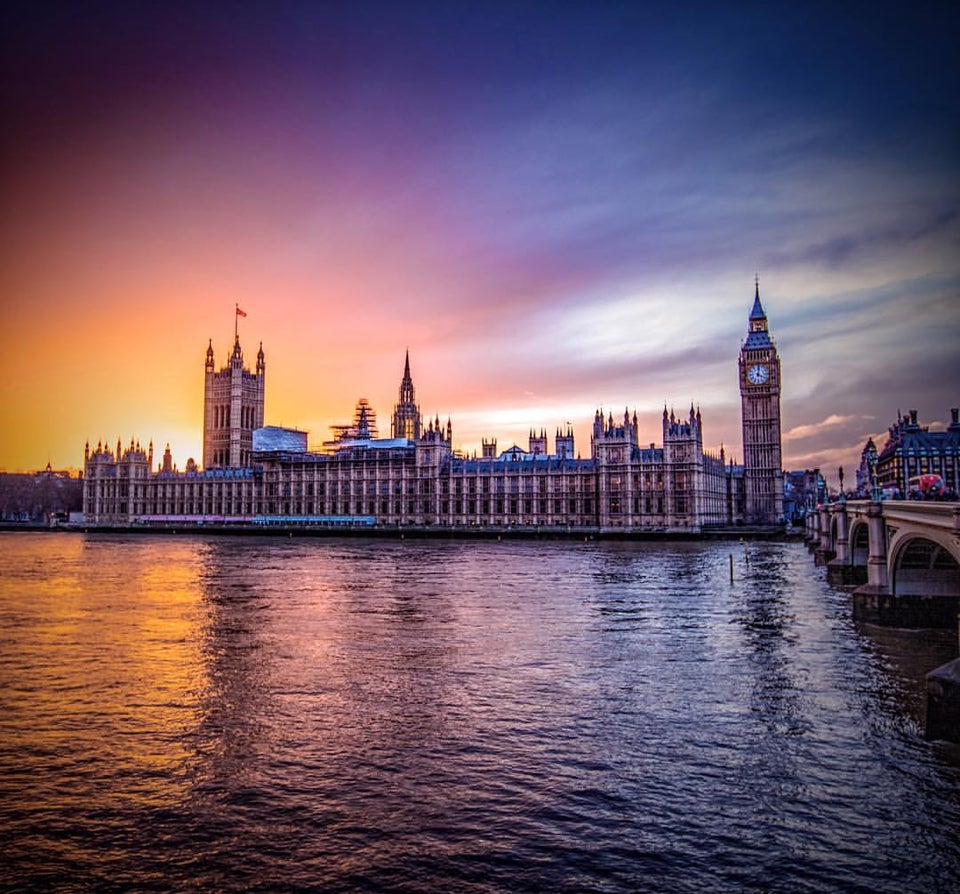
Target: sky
{"points": [[556, 207]]}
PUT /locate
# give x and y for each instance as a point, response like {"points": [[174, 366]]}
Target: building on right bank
{"points": [[913, 455]]}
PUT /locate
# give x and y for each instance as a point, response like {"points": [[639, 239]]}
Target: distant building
{"points": [[39, 497], [259, 475], [802, 493], [912, 450]]}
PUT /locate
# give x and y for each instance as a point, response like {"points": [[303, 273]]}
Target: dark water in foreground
{"points": [[267, 714]]}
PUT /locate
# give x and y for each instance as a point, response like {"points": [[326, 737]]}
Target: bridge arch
{"points": [[835, 533], [859, 543], [924, 564]]}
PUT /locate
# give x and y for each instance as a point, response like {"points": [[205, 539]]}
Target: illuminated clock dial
{"points": [[758, 374]]}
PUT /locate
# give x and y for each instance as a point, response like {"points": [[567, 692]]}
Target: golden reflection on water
{"points": [[331, 714], [118, 674], [303, 650]]}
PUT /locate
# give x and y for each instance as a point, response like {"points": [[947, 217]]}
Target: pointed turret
{"points": [[406, 421], [757, 312], [406, 383], [757, 334]]}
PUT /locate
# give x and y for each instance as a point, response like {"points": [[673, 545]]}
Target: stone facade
{"points": [[623, 487], [417, 479], [912, 450], [232, 409], [760, 416]]}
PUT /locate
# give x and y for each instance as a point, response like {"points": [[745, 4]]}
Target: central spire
{"points": [[406, 415], [757, 312], [406, 384], [757, 334]]}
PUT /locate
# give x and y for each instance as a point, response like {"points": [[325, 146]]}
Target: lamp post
{"points": [[874, 484]]}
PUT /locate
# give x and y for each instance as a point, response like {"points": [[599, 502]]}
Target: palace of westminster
{"points": [[265, 475]]}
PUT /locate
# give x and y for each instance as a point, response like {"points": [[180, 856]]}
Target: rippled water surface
{"points": [[270, 714]]}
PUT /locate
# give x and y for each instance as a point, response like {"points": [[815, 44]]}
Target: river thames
{"points": [[189, 713]]}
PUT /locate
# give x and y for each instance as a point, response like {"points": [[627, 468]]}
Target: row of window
{"points": [[904, 468], [222, 416]]}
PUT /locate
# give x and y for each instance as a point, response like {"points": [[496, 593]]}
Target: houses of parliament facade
{"points": [[253, 474]]}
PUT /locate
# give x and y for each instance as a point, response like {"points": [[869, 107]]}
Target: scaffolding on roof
{"points": [[363, 427]]}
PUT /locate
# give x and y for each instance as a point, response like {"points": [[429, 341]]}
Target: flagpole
{"points": [[236, 320]]}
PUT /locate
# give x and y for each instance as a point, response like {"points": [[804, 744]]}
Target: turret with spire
{"points": [[759, 369], [232, 406], [758, 336], [406, 421]]}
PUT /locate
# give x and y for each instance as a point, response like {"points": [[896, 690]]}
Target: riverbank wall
{"points": [[480, 532]]}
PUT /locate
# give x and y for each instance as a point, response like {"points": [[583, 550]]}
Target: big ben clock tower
{"points": [[760, 413]]}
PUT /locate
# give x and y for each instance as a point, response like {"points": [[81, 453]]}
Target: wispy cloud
{"points": [[551, 211], [815, 429]]}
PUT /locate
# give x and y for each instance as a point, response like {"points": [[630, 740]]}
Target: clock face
{"points": [[758, 374]]}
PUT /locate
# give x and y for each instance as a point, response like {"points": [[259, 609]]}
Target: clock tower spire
{"points": [[760, 416]]}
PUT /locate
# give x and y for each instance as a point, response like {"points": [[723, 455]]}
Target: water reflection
{"points": [[236, 642], [235, 713], [105, 681], [904, 657]]}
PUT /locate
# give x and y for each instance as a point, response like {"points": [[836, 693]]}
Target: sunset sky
{"points": [[555, 206]]}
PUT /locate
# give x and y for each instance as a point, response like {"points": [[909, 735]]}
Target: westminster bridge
{"points": [[902, 557]]}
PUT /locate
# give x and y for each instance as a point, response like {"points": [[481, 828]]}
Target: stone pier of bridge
{"points": [[902, 562], [901, 557]]}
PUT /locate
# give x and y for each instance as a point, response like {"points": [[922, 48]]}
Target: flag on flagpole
{"points": [[241, 313]]}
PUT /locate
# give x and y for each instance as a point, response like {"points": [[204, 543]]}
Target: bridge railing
{"points": [[924, 513], [928, 513]]}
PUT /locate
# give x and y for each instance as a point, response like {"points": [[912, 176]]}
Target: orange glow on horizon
{"points": [[549, 229]]}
